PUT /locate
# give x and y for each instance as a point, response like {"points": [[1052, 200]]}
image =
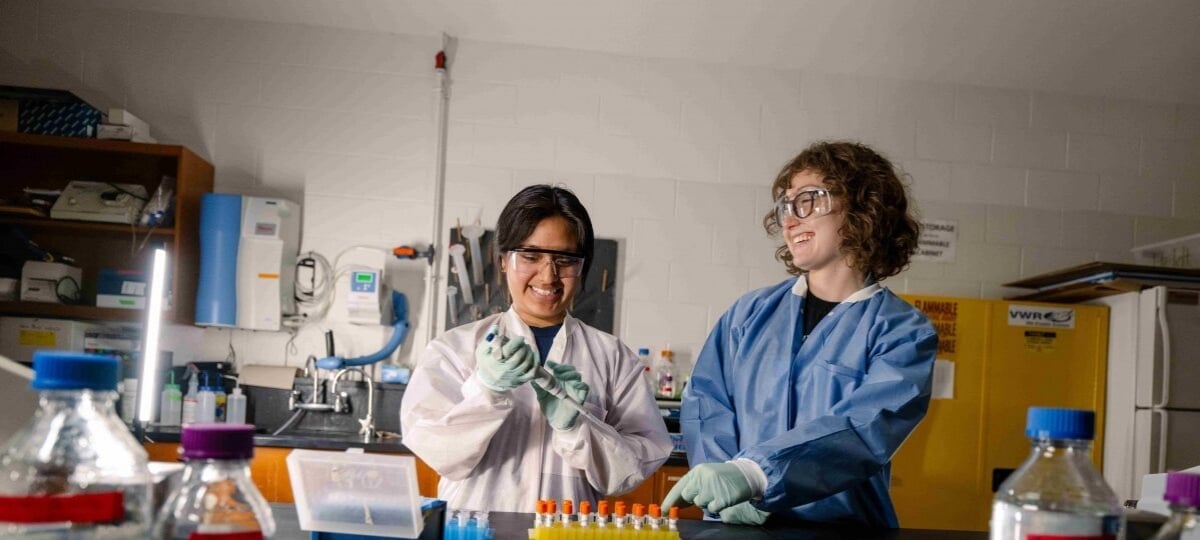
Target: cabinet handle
{"points": [[674, 478]]}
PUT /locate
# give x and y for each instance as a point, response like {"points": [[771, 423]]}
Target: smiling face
{"points": [[542, 298], [814, 241]]}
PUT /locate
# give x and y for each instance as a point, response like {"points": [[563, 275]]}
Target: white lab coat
{"points": [[496, 452]]}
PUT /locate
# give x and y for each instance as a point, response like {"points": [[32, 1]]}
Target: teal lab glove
{"points": [[711, 486], [744, 513], [502, 367], [562, 416]]}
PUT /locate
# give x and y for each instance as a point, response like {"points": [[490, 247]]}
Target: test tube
{"points": [[673, 519], [655, 520], [585, 513], [460, 268], [539, 518], [568, 508], [639, 515], [473, 233], [619, 515], [551, 509], [602, 514], [452, 303]]}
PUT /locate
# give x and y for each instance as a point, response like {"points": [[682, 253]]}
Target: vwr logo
{"points": [[1041, 316]]}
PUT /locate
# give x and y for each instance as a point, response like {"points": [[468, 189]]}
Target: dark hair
{"points": [[878, 232], [533, 204]]}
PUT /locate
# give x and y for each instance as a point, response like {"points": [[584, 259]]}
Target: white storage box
{"points": [[20, 336], [356, 493]]}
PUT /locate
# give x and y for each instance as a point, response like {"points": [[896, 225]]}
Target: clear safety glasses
{"points": [[805, 203], [528, 261]]}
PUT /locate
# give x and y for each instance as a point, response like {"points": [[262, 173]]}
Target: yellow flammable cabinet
{"points": [[996, 358]]}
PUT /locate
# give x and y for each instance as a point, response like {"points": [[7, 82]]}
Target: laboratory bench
{"points": [[268, 468], [515, 526]]}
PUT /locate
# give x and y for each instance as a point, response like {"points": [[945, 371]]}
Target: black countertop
{"points": [[515, 526], [329, 440], [307, 439]]}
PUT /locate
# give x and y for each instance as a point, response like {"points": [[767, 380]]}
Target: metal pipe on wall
{"points": [[433, 278]]}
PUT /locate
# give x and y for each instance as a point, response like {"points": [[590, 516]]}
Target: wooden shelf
{"points": [[100, 145], [83, 227], [64, 311], [49, 162]]}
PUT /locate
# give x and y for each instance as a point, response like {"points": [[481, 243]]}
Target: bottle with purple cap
{"points": [[216, 497], [1183, 496]]}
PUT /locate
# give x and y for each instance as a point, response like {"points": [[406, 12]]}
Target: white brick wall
{"points": [[673, 158]]}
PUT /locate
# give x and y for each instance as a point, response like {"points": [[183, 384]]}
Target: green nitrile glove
{"points": [[744, 513], [711, 486], [504, 366], [562, 416]]}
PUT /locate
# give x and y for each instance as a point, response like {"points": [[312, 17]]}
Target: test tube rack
{"points": [[467, 525], [640, 524]]}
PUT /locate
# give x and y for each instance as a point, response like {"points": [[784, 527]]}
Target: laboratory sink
{"points": [[270, 408]]}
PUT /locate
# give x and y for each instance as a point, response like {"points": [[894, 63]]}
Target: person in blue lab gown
{"points": [[805, 389]]}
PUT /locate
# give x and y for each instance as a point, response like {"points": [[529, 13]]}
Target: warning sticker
{"points": [[37, 338], [944, 316], [1040, 341]]}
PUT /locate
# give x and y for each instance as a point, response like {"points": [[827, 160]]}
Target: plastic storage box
{"points": [[356, 493]]}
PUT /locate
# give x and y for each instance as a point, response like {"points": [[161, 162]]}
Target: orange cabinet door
{"points": [[666, 478]]}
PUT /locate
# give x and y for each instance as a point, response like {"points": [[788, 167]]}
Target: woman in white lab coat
{"points": [[499, 442]]}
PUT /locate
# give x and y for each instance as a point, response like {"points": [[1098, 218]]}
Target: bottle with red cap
{"points": [[1183, 496], [216, 497], [75, 471]]}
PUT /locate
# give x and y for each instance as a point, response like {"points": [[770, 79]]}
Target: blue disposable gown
{"points": [[820, 415]]}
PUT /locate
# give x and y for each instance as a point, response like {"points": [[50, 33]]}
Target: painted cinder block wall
{"points": [[673, 158]]}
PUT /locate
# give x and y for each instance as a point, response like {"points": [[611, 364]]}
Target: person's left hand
{"points": [[711, 486], [562, 416], [744, 513]]}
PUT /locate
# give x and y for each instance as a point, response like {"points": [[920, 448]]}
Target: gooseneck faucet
{"points": [[341, 402]]}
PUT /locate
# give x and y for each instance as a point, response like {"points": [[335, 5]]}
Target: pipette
{"points": [[460, 268], [543, 378], [473, 232]]}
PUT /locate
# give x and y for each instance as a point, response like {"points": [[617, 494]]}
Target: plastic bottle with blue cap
{"points": [[75, 471], [1057, 492]]}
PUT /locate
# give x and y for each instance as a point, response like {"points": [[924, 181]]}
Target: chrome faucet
{"points": [[341, 402], [316, 401]]}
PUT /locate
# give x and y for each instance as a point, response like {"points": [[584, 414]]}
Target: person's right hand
{"points": [[504, 367]]}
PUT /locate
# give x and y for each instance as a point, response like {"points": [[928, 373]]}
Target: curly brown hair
{"points": [[878, 232]]}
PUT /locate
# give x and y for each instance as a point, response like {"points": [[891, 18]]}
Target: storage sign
{"points": [[1045, 317], [938, 241]]}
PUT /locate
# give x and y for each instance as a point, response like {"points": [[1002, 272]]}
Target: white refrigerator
{"points": [[1152, 420]]}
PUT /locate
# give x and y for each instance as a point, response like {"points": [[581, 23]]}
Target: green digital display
{"points": [[364, 277]]}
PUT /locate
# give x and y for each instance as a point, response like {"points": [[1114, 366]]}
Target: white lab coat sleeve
{"points": [[447, 417], [619, 451]]}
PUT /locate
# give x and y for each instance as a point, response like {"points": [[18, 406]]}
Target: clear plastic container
{"points": [[216, 497], [1057, 491], [171, 406], [74, 471], [647, 370], [190, 402], [206, 404], [1183, 496], [235, 412], [356, 493]]}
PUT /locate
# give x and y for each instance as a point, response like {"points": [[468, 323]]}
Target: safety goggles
{"points": [[528, 261], [806, 202]]}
